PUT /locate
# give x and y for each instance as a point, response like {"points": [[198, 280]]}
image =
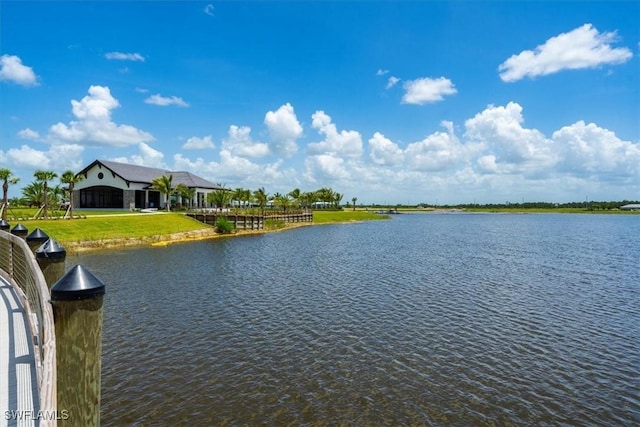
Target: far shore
{"points": [[111, 230]]}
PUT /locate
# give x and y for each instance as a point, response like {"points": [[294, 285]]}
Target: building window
{"points": [[100, 175], [101, 197]]}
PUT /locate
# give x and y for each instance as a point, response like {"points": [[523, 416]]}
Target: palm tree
{"points": [[190, 194], [325, 195], [221, 197], [247, 197], [308, 198], [33, 194], [262, 197], [71, 179], [163, 184], [354, 200], [283, 201], [185, 192], [295, 196], [6, 176], [337, 198], [56, 194], [243, 196], [44, 177], [16, 201]]}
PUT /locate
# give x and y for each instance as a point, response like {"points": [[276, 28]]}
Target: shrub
{"points": [[224, 226]]}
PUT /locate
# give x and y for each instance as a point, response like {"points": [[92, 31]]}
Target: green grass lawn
{"points": [[21, 213], [95, 228], [109, 225], [321, 217]]}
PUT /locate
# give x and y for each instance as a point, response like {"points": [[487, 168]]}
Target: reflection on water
{"points": [[453, 319]]}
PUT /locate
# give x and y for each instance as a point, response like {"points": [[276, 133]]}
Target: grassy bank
{"points": [[323, 217], [111, 229]]}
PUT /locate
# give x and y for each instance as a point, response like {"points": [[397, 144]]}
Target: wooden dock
{"points": [[252, 222], [34, 347], [19, 396], [28, 393]]}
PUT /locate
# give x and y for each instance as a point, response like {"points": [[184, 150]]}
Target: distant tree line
{"points": [[588, 205], [240, 198]]}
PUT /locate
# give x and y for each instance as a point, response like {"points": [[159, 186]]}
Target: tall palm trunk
{"points": [[5, 197], [71, 200], [45, 190]]}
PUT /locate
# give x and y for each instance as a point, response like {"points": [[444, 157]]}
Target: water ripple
{"points": [[422, 320]]}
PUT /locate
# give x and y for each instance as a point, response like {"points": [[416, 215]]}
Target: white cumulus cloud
{"points": [[392, 81], [238, 171], [590, 149], [284, 130], [239, 143], [196, 143], [437, 152], [583, 47], [147, 156], [28, 157], [120, 56], [29, 134], [425, 90], [164, 101], [326, 167], [13, 70], [93, 123], [514, 148], [343, 143], [383, 151], [58, 157]]}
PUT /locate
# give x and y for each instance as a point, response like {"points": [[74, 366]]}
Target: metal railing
{"points": [[19, 266]]}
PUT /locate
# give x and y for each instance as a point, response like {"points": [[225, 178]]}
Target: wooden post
{"points": [[77, 300], [51, 258], [36, 238]]}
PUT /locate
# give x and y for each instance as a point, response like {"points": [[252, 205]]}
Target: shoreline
{"points": [[117, 231], [164, 240]]}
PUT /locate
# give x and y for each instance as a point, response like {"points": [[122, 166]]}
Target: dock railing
{"points": [[19, 266], [251, 222]]}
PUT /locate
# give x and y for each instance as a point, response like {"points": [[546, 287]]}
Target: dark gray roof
{"points": [[144, 174]]}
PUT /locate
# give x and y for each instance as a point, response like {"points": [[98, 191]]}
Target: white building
{"points": [[108, 184], [631, 207]]}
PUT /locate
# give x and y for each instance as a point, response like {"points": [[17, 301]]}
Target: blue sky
{"points": [[389, 102]]}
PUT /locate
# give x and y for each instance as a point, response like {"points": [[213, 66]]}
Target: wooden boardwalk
{"points": [[19, 401], [251, 222]]}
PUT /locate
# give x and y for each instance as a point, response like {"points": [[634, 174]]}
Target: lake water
{"points": [[425, 319]]}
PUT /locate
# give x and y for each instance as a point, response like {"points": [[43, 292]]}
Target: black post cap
{"points": [[77, 284], [51, 250], [37, 236], [4, 225], [19, 230]]}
